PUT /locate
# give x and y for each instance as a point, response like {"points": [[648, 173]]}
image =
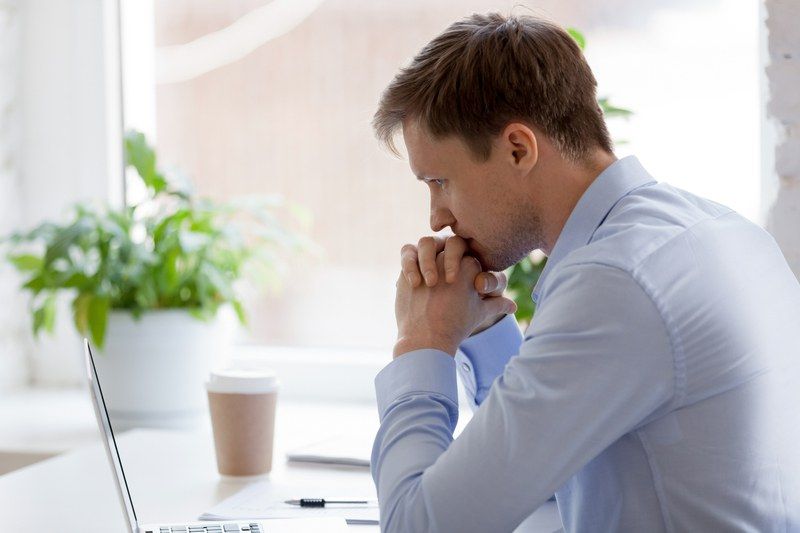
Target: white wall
{"points": [[781, 125], [13, 326], [70, 146]]}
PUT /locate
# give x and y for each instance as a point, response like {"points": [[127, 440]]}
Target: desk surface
{"points": [[173, 476]]}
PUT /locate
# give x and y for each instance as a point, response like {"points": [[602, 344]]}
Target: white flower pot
{"points": [[152, 371]]}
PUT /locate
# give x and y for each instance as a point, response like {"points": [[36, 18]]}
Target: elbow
{"points": [[406, 510]]}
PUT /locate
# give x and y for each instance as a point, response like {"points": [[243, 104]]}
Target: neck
{"points": [[562, 185]]}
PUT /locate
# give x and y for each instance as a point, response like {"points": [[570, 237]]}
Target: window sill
{"points": [[317, 373]]}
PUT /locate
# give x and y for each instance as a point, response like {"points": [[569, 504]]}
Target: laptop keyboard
{"points": [[211, 528]]}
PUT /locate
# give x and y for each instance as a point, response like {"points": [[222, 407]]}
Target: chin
{"points": [[497, 262], [488, 264]]}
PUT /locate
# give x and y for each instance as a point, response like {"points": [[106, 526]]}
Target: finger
{"points": [[427, 249], [491, 283], [468, 268], [499, 305], [410, 265], [454, 249]]}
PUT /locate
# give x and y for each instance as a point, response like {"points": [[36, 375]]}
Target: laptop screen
{"points": [[109, 441]]}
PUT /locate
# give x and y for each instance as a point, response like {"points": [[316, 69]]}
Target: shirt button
{"points": [[465, 367]]}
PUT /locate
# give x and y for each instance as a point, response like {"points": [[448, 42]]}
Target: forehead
{"points": [[431, 156]]}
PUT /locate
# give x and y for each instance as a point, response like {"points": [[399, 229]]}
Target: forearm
{"points": [[417, 404]]}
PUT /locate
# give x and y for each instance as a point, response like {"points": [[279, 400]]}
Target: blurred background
{"points": [[292, 116], [252, 97]]}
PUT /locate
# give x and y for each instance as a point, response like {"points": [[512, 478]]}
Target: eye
{"points": [[438, 182]]}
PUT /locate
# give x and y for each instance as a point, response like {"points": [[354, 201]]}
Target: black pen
{"points": [[320, 502]]}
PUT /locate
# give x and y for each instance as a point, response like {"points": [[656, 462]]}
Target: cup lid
{"points": [[242, 381]]}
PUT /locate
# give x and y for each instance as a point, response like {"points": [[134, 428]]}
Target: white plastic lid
{"points": [[238, 381]]}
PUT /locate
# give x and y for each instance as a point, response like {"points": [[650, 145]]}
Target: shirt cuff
{"points": [[483, 357], [426, 371]]}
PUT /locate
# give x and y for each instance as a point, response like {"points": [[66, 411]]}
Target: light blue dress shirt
{"points": [[657, 388]]}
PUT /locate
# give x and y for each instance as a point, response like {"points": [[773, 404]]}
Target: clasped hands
{"points": [[443, 297]]}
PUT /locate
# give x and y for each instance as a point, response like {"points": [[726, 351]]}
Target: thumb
{"points": [[499, 305]]}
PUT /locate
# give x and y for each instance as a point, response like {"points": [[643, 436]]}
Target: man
{"points": [[658, 386]]}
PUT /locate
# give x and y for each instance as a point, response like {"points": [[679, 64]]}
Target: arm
{"points": [[598, 361]]}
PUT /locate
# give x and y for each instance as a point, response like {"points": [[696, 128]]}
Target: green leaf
{"points": [[80, 312], [239, 308], [98, 319], [142, 157], [169, 271], [522, 278], [74, 280], [49, 313], [578, 36], [146, 295], [612, 111], [38, 320], [35, 284], [26, 262], [65, 237]]}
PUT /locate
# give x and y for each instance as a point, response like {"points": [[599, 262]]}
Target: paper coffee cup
{"points": [[242, 406]]}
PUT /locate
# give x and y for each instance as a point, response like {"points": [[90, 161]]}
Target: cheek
{"points": [[491, 217]]}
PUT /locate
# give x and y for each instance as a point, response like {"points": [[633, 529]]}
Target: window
{"points": [[277, 97]]}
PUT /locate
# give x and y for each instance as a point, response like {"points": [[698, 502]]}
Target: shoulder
{"points": [[649, 221]]}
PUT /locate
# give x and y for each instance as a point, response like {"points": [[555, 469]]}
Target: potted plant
{"points": [[522, 277], [149, 283]]}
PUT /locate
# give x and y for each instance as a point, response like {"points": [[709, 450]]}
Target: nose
{"points": [[441, 218]]}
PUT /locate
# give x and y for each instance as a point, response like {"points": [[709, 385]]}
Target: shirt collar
{"points": [[611, 185]]}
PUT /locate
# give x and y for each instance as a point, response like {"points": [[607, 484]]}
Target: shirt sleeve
{"points": [[597, 362], [482, 357]]}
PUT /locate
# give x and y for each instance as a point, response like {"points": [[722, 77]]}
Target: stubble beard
{"points": [[522, 236]]}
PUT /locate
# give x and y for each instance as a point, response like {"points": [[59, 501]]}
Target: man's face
{"points": [[486, 203]]}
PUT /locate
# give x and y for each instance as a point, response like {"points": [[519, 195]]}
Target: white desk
{"points": [[173, 476]]}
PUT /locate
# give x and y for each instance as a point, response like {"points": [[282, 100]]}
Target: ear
{"points": [[520, 147]]}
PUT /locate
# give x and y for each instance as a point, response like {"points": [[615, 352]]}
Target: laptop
{"points": [[294, 525]]}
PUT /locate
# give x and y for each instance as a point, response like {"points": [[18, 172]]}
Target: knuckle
{"points": [[455, 240], [470, 266], [425, 241], [407, 249], [455, 245]]}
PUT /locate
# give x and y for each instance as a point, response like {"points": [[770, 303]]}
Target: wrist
{"points": [[485, 326], [407, 344]]}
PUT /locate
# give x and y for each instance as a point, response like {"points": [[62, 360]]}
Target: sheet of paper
{"points": [[339, 449], [265, 500]]}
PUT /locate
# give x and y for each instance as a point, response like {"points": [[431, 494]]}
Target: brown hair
{"points": [[486, 71]]}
